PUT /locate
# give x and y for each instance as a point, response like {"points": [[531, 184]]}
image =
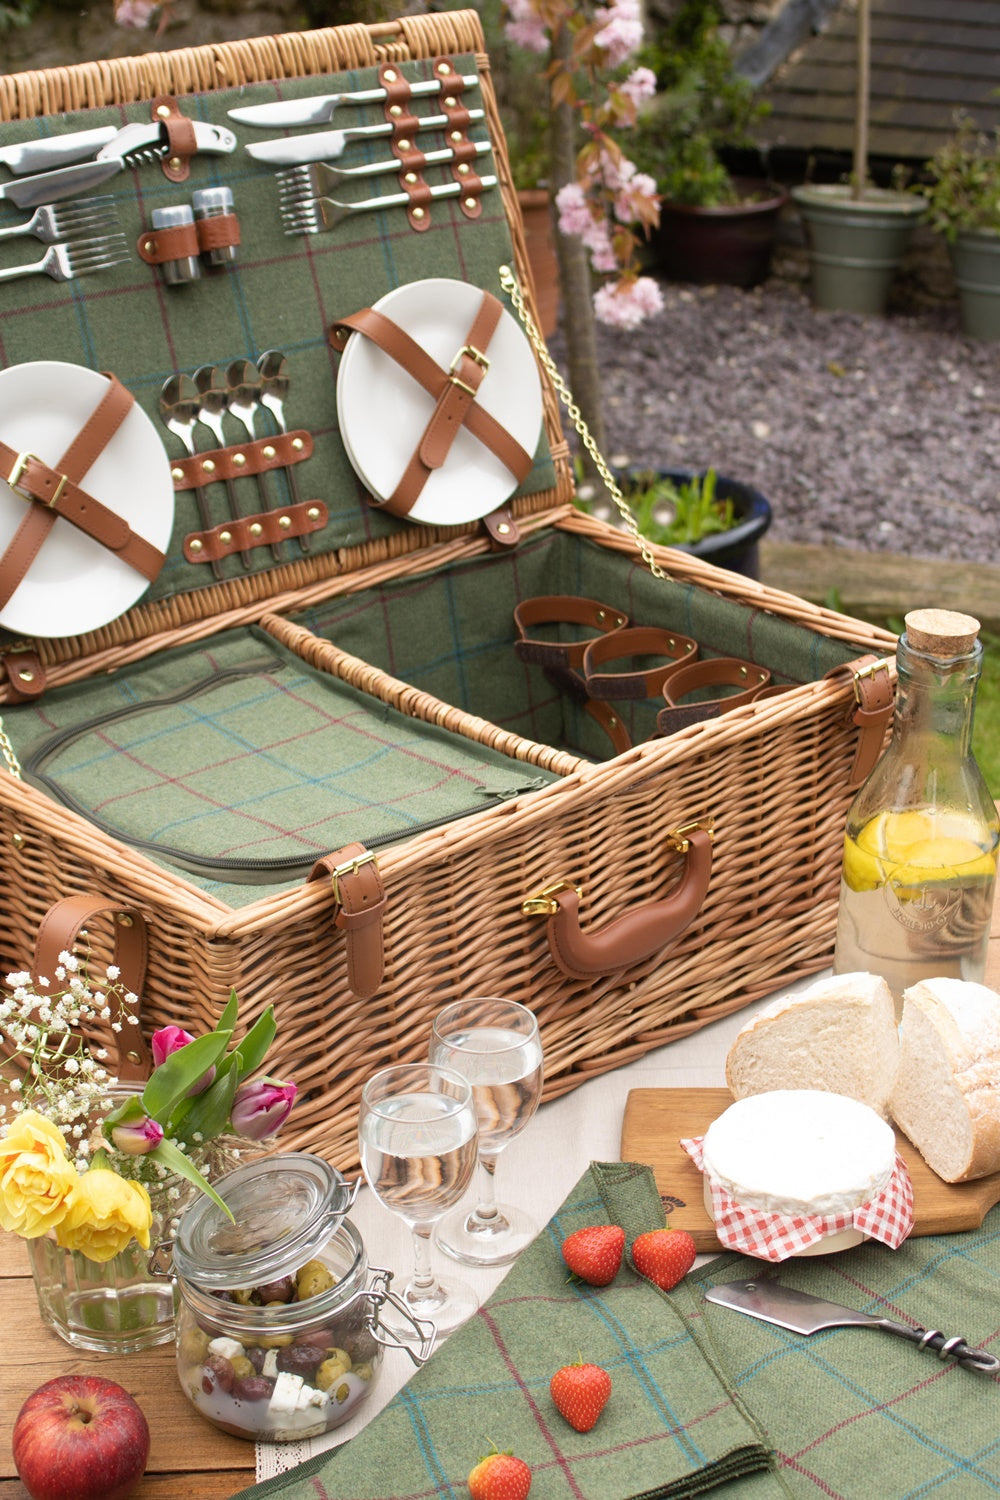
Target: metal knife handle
{"points": [[61, 182], [56, 150], [419, 87], [400, 200], [954, 1348]]}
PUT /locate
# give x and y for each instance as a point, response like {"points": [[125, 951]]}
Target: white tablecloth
{"points": [[536, 1171]]}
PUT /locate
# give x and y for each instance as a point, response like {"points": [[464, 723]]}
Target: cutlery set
{"points": [[81, 238], [241, 390]]}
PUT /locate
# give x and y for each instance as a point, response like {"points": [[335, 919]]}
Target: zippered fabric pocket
{"points": [[240, 763]]}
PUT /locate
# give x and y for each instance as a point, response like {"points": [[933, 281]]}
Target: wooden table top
{"points": [[188, 1456]]}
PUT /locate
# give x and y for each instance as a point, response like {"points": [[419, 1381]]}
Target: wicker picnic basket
{"points": [[628, 898]]}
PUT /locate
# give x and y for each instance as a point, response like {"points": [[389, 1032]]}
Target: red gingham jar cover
{"points": [[887, 1217]]}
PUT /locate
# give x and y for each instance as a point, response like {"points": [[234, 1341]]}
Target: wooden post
{"points": [[859, 177]]}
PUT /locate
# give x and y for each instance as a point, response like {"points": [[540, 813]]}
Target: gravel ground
{"points": [[878, 433]]}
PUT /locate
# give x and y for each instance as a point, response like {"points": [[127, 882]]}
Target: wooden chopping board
{"points": [[657, 1119]]}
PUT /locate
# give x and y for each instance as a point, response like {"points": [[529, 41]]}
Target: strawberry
{"points": [[499, 1476], [595, 1253], [580, 1393], [665, 1256]]}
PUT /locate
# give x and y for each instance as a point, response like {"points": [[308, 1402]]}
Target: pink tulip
{"points": [[260, 1109], [170, 1039], [137, 1138]]}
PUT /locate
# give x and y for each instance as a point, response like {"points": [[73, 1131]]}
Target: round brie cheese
{"points": [[800, 1151]]}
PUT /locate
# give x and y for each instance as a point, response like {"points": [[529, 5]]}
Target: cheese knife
{"points": [[319, 108], [327, 145], [799, 1312]]}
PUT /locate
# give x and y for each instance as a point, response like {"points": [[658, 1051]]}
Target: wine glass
{"points": [[495, 1045], [418, 1137]]}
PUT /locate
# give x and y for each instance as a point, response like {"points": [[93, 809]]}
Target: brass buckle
{"points": [[349, 867], [869, 671], [544, 904], [467, 351], [678, 837], [21, 462]]}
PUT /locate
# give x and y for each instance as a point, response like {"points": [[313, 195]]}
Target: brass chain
{"points": [[9, 753], [509, 283]]}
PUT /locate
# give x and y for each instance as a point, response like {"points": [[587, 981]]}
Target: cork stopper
{"points": [[941, 632]]}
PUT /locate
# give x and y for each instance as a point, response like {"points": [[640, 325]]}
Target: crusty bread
{"points": [[946, 1097], [838, 1035]]}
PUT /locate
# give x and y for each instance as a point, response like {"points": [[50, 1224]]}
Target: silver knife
{"points": [[319, 108], [327, 145], [58, 151], [771, 1302], [63, 182], [77, 145]]}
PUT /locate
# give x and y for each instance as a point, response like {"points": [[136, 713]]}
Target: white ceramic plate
{"points": [[74, 584], [383, 412]]}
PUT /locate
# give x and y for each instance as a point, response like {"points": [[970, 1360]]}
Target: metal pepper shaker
{"points": [[185, 267], [214, 203]]}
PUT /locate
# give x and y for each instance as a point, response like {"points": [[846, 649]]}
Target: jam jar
{"points": [[279, 1332]]}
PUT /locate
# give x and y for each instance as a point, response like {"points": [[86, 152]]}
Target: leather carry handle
{"points": [[638, 934], [58, 932], [359, 895]]}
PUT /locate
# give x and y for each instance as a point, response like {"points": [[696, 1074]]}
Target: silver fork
{"points": [[319, 214], [69, 221], [314, 179], [65, 261]]}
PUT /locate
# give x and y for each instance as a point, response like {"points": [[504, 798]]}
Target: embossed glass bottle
{"points": [[920, 847]]}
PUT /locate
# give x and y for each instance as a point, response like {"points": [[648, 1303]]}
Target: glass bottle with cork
{"points": [[920, 847]]}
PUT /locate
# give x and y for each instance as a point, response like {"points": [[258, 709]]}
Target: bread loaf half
{"points": [[838, 1035], [946, 1097]]}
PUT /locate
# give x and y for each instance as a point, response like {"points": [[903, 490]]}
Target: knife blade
{"points": [[59, 151], [327, 145], [768, 1300], [62, 182], [319, 108], [76, 145]]}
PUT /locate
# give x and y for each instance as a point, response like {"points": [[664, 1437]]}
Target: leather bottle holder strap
{"points": [[59, 930], [561, 609], [454, 392], [54, 490], [360, 895], [636, 641], [747, 679]]}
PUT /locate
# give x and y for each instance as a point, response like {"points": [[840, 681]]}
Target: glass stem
{"points": [[424, 1282], [486, 1205]]}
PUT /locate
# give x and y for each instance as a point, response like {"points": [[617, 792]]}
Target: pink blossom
{"points": [[572, 209], [525, 27], [640, 186], [619, 30], [135, 14], [626, 304], [260, 1109], [640, 85], [137, 1138], [170, 1039]]}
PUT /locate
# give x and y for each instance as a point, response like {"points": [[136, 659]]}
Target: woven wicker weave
{"points": [[774, 778]]}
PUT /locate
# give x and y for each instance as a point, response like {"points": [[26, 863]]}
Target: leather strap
{"points": [[360, 895], [748, 679], [267, 529], [453, 391], [175, 242], [871, 710], [181, 143], [217, 232], [55, 491], [26, 677], [58, 932], [258, 457], [501, 528], [638, 640], [561, 609]]}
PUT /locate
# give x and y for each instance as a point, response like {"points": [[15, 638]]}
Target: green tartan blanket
{"points": [[703, 1398]]}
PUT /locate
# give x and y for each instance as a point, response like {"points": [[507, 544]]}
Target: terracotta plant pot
{"points": [[730, 243]]}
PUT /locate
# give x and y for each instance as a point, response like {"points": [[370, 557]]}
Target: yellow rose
{"points": [[104, 1213], [36, 1177]]}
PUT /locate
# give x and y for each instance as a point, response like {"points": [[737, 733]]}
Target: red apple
{"points": [[83, 1436]]}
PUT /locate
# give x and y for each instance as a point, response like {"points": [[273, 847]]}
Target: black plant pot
{"points": [[735, 549], [729, 244]]}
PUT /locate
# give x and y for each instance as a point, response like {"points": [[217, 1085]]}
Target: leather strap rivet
{"points": [[123, 919], [17, 839], [470, 202], [225, 537], [177, 473], [239, 459], [463, 169], [163, 111], [404, 145], [175, 164], [410, 177], [444, 69], [196, 545], [418, 213], [297, 445], [208, 465], [284, 522], [269, 452], [503, 528], [133, 1057], [390, 75], [612, 720], [256, 529], [25, 675], [148, 246], [395, 110], [455, 136], [313, 512], [450, 102]]}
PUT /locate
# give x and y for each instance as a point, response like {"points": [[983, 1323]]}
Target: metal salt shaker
{"points": [[186, 267], [212, 203]]}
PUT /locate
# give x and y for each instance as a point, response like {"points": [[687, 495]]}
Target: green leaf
{"points": [[227, 1021], [175, 1077], [175, 1161], [252, 1050], [130, 1109], [207, 1115]]}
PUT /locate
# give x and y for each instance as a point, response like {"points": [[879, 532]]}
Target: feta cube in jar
{"points": [[278, 1325]]}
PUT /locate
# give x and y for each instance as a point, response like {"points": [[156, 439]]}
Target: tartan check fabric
{"points": [[282, 292], [703, 1398], [887, 1217]]}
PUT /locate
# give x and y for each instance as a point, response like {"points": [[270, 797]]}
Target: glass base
{"points": [[485, 1242], [113, 1307], [451, 1305]]}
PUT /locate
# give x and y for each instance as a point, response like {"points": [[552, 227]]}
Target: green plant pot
{"points": [[855, 245], [975, 258]]}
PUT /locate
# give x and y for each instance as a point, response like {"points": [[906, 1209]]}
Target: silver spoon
{"points": [[274, 385], [179, 407], [211, 383], [243, 386]]}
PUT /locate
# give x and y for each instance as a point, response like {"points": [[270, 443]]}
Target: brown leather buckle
{"points": [[349, 867], [20, 466]]}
